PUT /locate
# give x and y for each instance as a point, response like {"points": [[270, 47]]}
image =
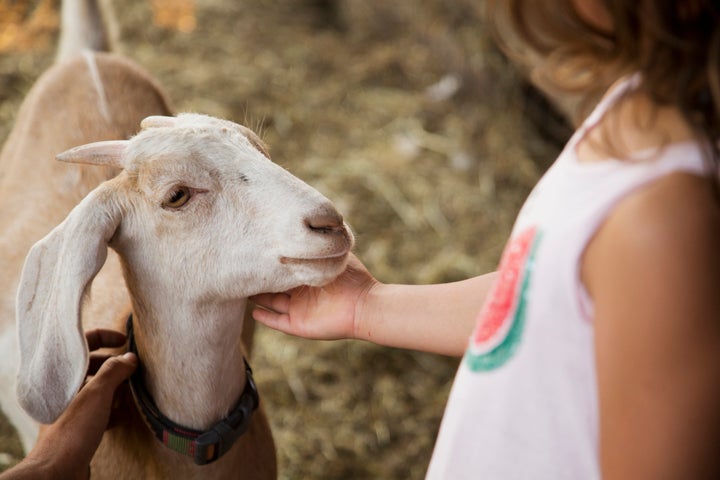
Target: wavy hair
{"points": [[675, 45]]}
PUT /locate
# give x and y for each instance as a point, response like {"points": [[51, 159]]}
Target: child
{"points": [[596, 351]]}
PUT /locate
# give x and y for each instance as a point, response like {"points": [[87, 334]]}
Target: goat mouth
{"points": [[334, 258]]}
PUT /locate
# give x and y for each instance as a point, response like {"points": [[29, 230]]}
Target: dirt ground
{"points": [[406, 116]]}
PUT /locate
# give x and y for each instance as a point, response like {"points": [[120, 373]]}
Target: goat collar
{"points": [[203, 446]]}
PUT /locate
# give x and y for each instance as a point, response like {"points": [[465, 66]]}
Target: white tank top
{"points": [[524, 401]]}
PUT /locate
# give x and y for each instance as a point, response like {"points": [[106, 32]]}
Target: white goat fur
{"points": [[249, 226]]}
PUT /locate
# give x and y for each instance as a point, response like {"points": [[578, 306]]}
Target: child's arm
{"points": [[653, 271], [433, 318]]}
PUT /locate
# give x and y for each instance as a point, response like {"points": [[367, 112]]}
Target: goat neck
{"points": [[192, 356]]}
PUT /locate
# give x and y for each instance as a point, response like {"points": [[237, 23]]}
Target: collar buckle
{"points": [[214, 443]]}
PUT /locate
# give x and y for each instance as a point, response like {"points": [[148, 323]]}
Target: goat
{"points": [[199, 219]]}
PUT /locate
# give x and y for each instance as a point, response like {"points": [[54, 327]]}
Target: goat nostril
{"points": [[326, 220]]}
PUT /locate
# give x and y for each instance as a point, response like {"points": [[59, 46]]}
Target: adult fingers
{"points": [[75, 436], [114, 371], [88, 414], [102, 338], [96, 361]]}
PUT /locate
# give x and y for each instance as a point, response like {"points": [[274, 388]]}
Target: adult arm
{"points": [[65, 448]]}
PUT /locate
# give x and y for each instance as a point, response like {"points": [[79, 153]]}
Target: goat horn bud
{"points": [[156, 121], [108, 153]]}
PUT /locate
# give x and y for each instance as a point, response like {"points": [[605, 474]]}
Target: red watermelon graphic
{"points": [[501, 321]]}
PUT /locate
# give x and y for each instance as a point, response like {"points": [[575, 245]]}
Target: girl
{"points": [[596, 350]]}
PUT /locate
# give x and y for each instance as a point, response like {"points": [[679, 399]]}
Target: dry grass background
{"points": [[405, 115]]}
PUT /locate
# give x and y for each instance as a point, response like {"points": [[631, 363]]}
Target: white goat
{"points": [[200, 218]]}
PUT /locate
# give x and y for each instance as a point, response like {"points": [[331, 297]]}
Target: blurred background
{"points": [[404, 114]]}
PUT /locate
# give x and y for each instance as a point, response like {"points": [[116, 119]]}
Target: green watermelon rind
{"points": [[497, 357]]}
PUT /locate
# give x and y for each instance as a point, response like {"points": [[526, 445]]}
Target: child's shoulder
{"points": [[652, 271], [677, 210], [675, 217]]}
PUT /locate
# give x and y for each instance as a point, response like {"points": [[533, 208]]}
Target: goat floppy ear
{"points": [[56, 275]]}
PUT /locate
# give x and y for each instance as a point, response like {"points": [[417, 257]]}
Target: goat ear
{"points": [[108, 153], [156, 121], [56, 275]]}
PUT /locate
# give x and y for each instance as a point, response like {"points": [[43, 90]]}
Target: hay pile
{"points": [[407, 117]]}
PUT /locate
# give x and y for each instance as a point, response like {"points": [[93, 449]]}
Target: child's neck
{"points": [[633, 124]]}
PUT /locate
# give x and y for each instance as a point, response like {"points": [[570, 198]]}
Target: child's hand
{"points": [[327, 313]]}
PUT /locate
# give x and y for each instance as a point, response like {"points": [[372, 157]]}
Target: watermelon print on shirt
{"points": [[500, 323]]}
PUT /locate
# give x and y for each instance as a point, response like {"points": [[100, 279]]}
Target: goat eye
{"points": [[177, 198]]}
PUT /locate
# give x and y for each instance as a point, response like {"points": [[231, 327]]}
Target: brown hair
{"points": [[675, 45]]}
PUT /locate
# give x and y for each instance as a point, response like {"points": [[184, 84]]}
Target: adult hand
{"points": [[328, 313], [65, 448]]}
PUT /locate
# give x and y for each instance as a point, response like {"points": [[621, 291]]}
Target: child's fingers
{"points": [[277, 302], [278, 321], [267, 317]]}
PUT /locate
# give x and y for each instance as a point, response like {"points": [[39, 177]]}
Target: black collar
{"points": [[203, 446]]}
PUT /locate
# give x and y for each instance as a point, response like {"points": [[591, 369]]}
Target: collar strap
{"points": [[203, 446]]}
